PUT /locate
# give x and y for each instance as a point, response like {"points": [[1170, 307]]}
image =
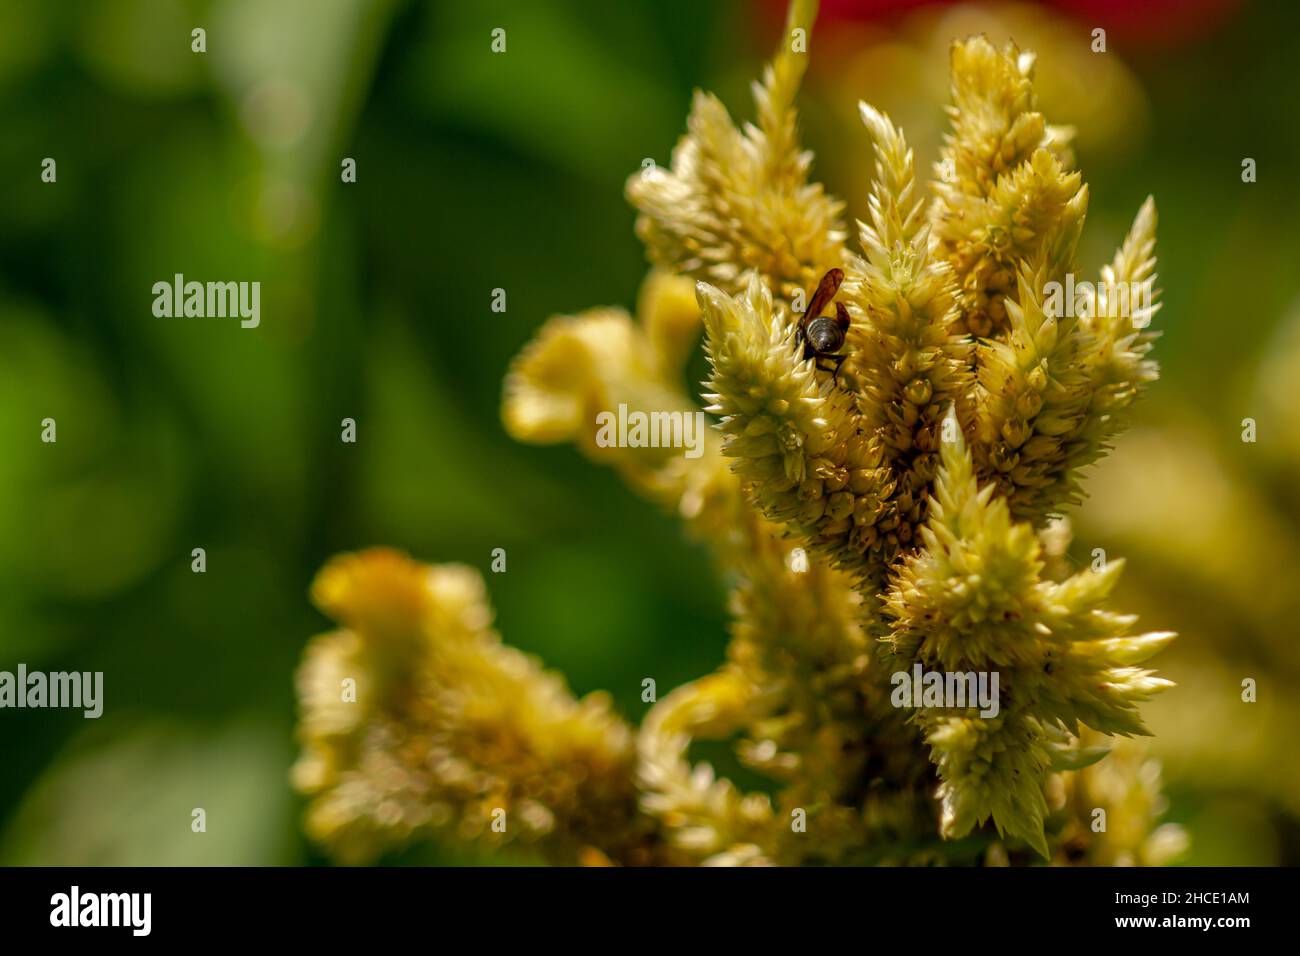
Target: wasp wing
{"points": [[826, 290]]}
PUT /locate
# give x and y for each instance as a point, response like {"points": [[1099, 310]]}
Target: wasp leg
{"points": [[837, 359]]}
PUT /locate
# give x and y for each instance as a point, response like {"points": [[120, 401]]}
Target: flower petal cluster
{"points": [[975, 599], [416, 719], [901, 510]]}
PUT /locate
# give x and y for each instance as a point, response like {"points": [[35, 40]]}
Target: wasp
{"points": [[823, 336]]}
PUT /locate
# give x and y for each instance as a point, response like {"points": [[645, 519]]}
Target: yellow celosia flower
{"points": [[998, 188], [973, 599], [796, 438], [1125, 788], [907, 358], [898, 514], [735, 203], [416, 718]]}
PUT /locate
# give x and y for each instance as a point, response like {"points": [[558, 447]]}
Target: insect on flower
{"points": [[839, 472], [821, 335]]}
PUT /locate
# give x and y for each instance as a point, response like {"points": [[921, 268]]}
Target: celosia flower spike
{"points": [[799, 447], [1000, 183], [974, 600], [417, 719], [739, 203], [906, 356], [862, 536]]}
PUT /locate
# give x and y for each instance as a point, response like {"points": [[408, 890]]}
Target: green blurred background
{"points": [[479, 171]]}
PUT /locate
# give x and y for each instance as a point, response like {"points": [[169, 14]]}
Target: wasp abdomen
{"points": [[825, 335]]}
